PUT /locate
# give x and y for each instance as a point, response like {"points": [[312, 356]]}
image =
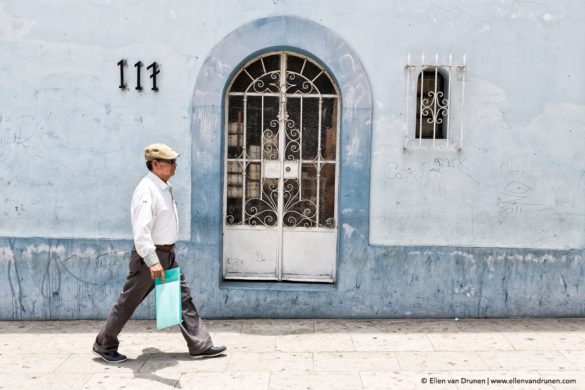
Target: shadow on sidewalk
{"points": [[155, 360]]}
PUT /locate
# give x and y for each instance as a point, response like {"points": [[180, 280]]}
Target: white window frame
{"points": [[446, 106]]}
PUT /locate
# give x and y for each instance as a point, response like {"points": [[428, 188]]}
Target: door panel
{"points": [[258, 261], [307, 255]]}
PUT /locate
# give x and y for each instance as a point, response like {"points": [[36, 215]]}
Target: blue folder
{"points": [[169, 308]]}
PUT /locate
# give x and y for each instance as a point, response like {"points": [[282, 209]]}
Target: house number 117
{"points": [[154, 67]]}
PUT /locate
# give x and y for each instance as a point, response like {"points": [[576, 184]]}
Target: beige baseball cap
{"points": [[159, 152]]}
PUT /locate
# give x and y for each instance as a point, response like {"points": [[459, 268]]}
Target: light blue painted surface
{"points": [[519, 179], [69, 139], [81, 279]]}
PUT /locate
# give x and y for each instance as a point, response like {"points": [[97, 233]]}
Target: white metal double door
{"points": [[281, 172]]}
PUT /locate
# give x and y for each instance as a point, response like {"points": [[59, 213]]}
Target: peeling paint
{"points": [[13, 27], [41, 283], [467, 256], [348, 230], [32, 251]]}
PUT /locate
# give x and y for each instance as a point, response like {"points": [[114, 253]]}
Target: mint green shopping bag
{"points": [[169, 308]]}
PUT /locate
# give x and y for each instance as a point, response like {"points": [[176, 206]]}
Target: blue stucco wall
{"points": [[60, 266], [80, 279]]}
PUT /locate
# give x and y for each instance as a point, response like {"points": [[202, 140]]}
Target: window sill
{"points": [[428, 144], [277, 286]]}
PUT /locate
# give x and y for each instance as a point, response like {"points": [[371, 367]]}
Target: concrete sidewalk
{"points": [[302, 354]]}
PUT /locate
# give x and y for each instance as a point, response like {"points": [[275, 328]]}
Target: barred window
{"points": [[432, 104], [436, 91]]}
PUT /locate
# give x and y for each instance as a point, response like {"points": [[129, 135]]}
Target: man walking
{"points": [[155, 225]]}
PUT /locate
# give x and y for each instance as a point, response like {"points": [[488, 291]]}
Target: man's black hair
{"points": [[149, 165]]}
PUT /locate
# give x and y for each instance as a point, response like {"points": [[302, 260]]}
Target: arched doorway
{"points": [[281, 170]]}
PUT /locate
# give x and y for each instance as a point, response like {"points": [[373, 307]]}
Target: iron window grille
{"points": [[437, 92], [282, 114]]}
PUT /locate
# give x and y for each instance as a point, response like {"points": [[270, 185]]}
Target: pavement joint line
{"points": [[229, 357], [63, 362], [361, 379], [179, 380], [431, 342], [269, 379], [149, 355], [398, 361]]}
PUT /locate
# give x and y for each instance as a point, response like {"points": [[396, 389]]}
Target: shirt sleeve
{"points": [[142, 222]]}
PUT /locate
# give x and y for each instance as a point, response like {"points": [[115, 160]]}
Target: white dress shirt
{"points": [[154, 217]]}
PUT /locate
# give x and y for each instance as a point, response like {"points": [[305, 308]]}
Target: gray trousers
{"points": [[138, 285]]}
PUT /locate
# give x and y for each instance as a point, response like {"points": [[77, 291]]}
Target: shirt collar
{"points": [[158, 181]]}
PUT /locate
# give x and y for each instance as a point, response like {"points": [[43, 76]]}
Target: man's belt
{"points": [[165, 248]]}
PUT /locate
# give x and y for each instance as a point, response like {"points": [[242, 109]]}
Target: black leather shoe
{"points": [[211, 352], [111, 357]]}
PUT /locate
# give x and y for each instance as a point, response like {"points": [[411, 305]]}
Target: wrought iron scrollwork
{"points": [[435, 107], [298, 84], [300, 212], [263, 211], [293, 141], [270, 135], [267, 83]]}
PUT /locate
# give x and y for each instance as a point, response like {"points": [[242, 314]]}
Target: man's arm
{"points": [[142, 215]]}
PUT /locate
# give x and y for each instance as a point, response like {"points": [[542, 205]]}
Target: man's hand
{"points": [[157, 271]]}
